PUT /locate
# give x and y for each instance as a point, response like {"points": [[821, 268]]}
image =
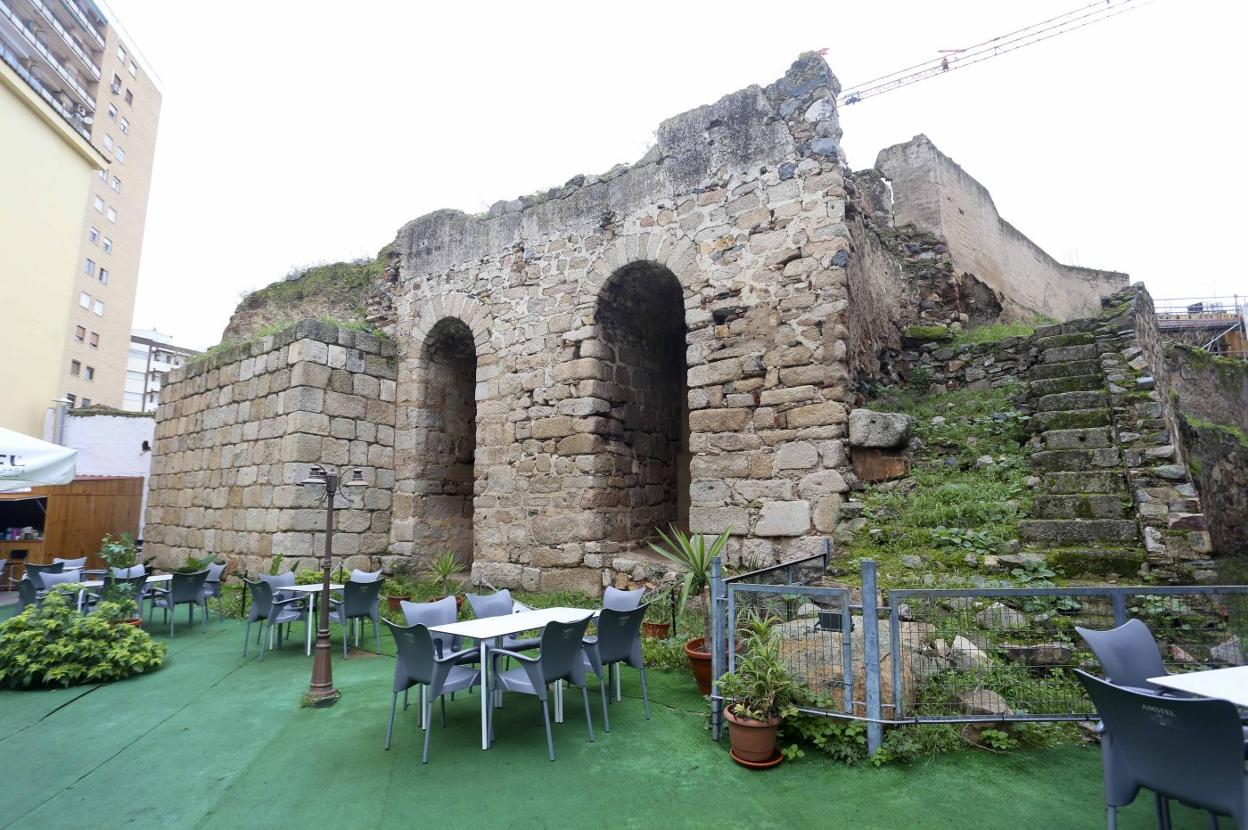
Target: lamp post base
{"points": [[321, 700]]}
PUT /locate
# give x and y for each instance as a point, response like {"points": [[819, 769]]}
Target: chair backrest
{"points": [[27, 594], [1128, 654], [72, 564], [128, 573], [59, 578], [135, 585], [365, 576], [214, 572], [279, 580], [261, 599], [415, 650], [619, 634], [618, 600], [1191, 749], [429, 614], [187, 587], [561, 651], [359, 599], [490, 605], [35, 569]]}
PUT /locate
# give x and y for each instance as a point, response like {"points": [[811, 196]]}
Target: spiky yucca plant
{"points": [[691, 554]]}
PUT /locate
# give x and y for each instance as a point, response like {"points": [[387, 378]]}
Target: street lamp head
{"points": [[316, 476], [357, 479]]}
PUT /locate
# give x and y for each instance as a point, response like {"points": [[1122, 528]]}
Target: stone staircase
{"points": [[1082, 517]]}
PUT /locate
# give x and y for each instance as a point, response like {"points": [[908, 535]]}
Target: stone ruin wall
{"points": [[676, 341]]}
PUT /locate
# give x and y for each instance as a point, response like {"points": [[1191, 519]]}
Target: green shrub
{"points": [[55, 645]]}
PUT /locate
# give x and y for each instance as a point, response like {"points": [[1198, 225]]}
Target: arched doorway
{"points": [[444, 420], [641, 318]]}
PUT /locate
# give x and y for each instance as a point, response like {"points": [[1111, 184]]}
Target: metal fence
{"points": [[963, 655]]}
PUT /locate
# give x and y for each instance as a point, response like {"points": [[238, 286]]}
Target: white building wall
{"points": [[112, 445]]}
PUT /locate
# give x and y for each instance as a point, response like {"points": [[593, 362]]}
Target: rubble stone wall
{"points": [[237, 431]]}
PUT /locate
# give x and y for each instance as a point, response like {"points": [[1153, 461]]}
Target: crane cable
{"points": [[958, 59]]}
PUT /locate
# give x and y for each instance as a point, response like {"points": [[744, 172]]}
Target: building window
{"points": [[98, 204], [129, 96], [104, 276], [90, 267], [80, 334], [103, 174], [121, 54], [108, 243], [86, 402], [95, 339], [115, 184], [84, 299], [108, 141], [121, 154], [116, 86], [90, 375], [73, 399], [75, 368], [112, 214], [98, 308], [112, 111], [94, 236], [134, 69], [125, 125]]}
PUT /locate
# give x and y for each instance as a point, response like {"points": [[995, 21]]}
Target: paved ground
{"points": [[213, 740]]}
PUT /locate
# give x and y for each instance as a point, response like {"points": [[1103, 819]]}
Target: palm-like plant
{"points": [[692, 554], [443, 569], [762, 687]]}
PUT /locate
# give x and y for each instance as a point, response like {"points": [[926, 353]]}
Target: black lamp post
{"points": [[322, 691]]}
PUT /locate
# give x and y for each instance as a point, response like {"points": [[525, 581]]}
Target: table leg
{"points": [[558, 701], [486, 694], [311, 622], [616, 669]]}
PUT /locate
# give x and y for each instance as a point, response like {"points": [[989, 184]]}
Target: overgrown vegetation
{"points": [[967, 488], [993, 332], [339, 279]]}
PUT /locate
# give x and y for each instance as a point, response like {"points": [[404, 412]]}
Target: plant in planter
{"points": [[691, 553], [193, 565], [758, 696], [660, 609], [400, 586], [119, 553], [445, 569], [54, 645], [117, 603]]}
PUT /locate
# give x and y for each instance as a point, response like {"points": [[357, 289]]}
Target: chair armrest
{"points": [[496, 652], [158, 590], [454, 655], [288, 601]]}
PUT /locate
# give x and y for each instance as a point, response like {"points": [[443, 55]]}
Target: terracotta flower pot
{"points": [[700, 663], [459, 600], [753, 741], [656, 631], [137, 622], [393, 602]]}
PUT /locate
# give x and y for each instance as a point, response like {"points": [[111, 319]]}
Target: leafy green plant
{"points": [[195, 565], [443, 569], [762, 687], [275, 565], [54, 645], [691, 553], [117, 601], [842, 740], [971, 541], [121, 552], [659, 603], [997, 739]]}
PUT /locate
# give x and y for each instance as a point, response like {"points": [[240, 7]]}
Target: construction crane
{"points": [[951, 59]]}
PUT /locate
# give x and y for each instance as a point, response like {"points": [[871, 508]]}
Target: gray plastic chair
{"points": [[1128, 655], [429, 614], [270, 611], [71, 564], [561, 658], [212, 588], [34, 570], [360, 601], [617, 600], [420, 665], [279, 581], [365, 576], [498, 604], [136, 581], [1185, 748], [184, 589], [28, 595], [618, 641]]}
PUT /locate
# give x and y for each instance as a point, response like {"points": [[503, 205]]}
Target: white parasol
{"points": [[28, 462]]}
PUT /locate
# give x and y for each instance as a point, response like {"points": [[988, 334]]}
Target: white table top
{"points": [[1225, 684], [92, 583], [159, 578], [490, 627], [308, 589]]}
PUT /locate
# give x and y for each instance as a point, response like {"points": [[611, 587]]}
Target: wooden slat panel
{"points": [[82, 512]]}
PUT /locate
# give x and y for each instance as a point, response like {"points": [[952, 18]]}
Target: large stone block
{"points": [[718, 420], [797, 455], [818, 414], [715, 520], [880, 430], [783, 518]]}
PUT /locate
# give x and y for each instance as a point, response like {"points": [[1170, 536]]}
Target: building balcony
{"points": [[43, 63], [19, 65], [41, 10], [85, 19]]}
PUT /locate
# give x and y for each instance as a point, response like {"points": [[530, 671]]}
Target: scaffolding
{"points": [[1215, 324]]}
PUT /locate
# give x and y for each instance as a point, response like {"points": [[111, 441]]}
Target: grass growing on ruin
{"points": [[1000, 331], [959, 508]]}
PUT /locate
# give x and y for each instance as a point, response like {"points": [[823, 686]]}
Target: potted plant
{"points": [[119, 553], [758, 696], [444, 569], [117, 604], [657, 624], [691, 553], [399, 587]]}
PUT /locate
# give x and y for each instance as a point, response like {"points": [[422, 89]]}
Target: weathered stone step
{"points": [[1082, 506], [1100, 561], [1043, 371], [1065, 401], [1077, 439], [1057, 341], [1077, 531], [1072, 483], [1070, 419], [1074, 383], [1076, 460], [1069, 327], [1066, 354]]}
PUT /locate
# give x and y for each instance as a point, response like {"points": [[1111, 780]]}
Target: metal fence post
{"points": [[871, 656], [1119, 600], [894, 655], [827, 553], [717, 642]]}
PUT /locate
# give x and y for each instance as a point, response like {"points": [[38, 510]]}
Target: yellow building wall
{"points": [[44, 174]]}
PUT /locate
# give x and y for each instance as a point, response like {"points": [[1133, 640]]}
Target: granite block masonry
{"points": [[679, 341]]}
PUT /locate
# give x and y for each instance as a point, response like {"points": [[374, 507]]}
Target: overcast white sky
{"points": [[295, 132]]}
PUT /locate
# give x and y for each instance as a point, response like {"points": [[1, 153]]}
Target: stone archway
{"points": [[641, 320]]}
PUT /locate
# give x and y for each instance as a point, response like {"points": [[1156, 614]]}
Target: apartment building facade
{"points": [[151, 357], [84, 69]]}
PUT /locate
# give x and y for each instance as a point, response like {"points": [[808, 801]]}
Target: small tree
{"points": [[691, 553]]}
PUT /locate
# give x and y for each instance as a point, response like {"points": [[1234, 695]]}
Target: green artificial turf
{"points": [[215, 740]]}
